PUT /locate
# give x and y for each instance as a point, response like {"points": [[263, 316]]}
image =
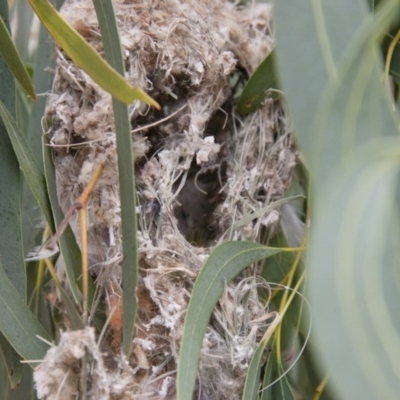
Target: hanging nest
{"points": [[204, 175]]}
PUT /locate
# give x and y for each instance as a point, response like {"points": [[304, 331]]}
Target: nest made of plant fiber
{"points": [[204, 175]]}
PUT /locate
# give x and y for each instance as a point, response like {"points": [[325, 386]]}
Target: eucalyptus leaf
{"points": [[42, 80], [23, 13], [18, 324], [253, 376], [85, 57], [10, 55], [23, 107], [68, 246], [263, 79], [225, 262], [12, 362], [278, 266], [274, 372], [11, 250], [354, 286], [126, 168], [332, 79], [24, 390], [32, 172]]}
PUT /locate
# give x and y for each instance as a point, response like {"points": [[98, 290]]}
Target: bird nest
{"points": [[204, 175]]}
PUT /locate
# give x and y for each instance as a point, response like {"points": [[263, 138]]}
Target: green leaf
{"points": [[224, 263], [279, 265], [331, 78], [355, 290], [13, 60], [23, 391], [18, 324], [23, 107], [85, 57], [275, 374], [42, 80], [252, 383], [33, 175], [11, 251], [126, 169], [264, 79], [12, 362], [23, 13], [274, 271], [68, 247]]}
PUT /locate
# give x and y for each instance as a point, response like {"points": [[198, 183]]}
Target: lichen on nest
{"points": [[204, 175]]}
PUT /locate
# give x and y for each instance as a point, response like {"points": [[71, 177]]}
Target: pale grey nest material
{"points": [[185, 54], [57, 377]]}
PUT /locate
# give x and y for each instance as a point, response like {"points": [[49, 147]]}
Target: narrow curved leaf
{"points": [[12, 362], [85, 57], [274, 371], [32, 172], [42, 81], [253, 375], [225, 262], [126, 168], [11, 252], [18, 324], [264, 78], [68, 247], [355, 284], [11, 249], [331, 78], [23, 33], [10, 55], [25, 388]]}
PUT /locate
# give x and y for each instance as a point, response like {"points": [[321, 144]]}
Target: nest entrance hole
{"points": [[197, 201], [200, 194]]}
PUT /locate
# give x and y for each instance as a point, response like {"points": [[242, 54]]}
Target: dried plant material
{"points": [[57, 377], [115, 314], [201, 169]]}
